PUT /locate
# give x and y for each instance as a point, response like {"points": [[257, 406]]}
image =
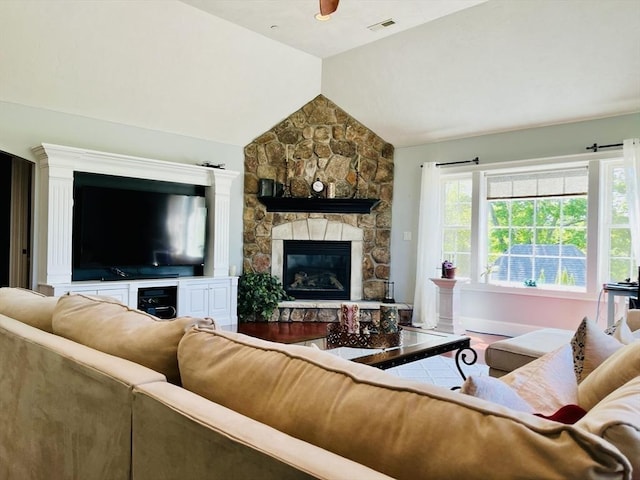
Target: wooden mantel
{"points": [[319, 205]]}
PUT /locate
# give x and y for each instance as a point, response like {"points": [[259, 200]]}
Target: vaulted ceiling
{"points": [[448, 69], [217, 70]]}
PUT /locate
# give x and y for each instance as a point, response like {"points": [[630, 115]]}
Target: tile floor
{"points": [[439, 370]]}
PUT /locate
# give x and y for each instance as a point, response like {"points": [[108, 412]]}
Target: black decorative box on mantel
{"points": [[319, 205]]}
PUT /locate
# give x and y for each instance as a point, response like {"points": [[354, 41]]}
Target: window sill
{"points": [[529, 291]]}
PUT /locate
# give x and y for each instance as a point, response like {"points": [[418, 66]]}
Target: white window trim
{"points": [[595, 208]]}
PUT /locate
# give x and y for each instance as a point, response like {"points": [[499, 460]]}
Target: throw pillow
{"points": [[548, 382], [614, 372], [496, 391], [616, 418], [28, 307], [623, 333], [114, 328], [591, 346], [569, 414]]}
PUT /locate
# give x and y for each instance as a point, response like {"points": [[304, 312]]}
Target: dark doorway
{"points": [[5, 217], [16, 176]]}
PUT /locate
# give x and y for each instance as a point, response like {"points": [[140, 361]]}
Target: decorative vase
{"points": [[350, 317], [388, 319]]}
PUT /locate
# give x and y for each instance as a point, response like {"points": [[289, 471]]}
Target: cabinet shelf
{"points": [[319, 205]]}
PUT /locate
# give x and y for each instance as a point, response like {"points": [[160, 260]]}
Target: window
{"points": [[456, 228], [532, 224], [616, 238], [537, 227]]}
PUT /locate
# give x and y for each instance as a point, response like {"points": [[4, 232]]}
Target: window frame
{"points": [[606, 223], [596, 256], [457, 178]]}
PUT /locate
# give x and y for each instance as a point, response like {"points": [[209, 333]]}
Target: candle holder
{"points": [[388, 293]]}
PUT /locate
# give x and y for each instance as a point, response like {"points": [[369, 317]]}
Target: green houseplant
{"points": [[259, 295]]}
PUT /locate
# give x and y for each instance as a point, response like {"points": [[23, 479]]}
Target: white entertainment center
{"points": [[212, 295]]}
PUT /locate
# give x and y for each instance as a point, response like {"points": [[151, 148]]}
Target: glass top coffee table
{"points": [[416, 345]]}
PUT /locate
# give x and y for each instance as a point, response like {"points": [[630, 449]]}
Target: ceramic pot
{"points": [[450, 273]]}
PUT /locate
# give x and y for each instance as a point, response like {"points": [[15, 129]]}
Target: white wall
{"points": [[495, 312], [163, 65]]}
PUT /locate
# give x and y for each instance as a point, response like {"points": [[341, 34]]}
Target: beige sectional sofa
{"points": [[241, 408]]}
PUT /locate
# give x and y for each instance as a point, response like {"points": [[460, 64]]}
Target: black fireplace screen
{"points": [[317, 269]]}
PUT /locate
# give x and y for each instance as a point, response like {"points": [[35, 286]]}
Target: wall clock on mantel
{"points": [[317, 188]]}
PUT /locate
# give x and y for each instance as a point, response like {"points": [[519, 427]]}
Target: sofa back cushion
{"points": [[614, 372], [616, 418], [28, 306], [114, 328], [403, 429]]}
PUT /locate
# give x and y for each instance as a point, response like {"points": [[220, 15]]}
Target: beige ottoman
{"points": [[506, 355]]}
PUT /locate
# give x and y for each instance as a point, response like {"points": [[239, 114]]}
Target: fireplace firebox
{"points": [[317, 269]]}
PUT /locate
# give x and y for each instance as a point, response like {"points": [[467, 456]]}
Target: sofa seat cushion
{"points": [[28, 307], [511, 353], [403, 429], [114, 328]]}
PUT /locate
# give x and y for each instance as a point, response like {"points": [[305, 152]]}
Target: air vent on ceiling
{"points": [[380, 25]]}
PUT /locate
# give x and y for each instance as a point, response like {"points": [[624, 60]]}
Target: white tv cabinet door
{"points": [[210, 297], [116, 291], [214, 297]]}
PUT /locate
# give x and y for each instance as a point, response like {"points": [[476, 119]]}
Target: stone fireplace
{"points": [[321, 142]]}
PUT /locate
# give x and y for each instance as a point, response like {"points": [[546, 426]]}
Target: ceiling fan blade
{"points": [[327, 7]]}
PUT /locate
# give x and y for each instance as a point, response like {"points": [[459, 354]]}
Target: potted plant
{"points": [[488, 270], [448, 270], [258, 296]]}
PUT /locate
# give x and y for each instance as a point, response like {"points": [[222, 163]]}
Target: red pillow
{"points": [[569, 414]]}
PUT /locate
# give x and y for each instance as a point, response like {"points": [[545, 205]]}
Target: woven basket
{"points": [[337, 336]]}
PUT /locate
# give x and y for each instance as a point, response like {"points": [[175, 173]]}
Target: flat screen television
{"points": [[136, 228]]}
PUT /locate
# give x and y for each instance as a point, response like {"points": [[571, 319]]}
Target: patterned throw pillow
{"points": [[591, 346]]}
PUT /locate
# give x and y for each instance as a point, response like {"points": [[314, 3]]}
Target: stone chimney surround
{"points": [[321, 142]]}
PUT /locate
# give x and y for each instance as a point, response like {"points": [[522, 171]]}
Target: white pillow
{"points": [[623, 333], [548, 382], [496, 391]]}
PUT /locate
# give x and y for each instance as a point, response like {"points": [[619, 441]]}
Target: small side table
{"points": [[449, 305], [612, 293]]}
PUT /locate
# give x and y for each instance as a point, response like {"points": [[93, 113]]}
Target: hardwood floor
{"points": [[294, 332]]}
